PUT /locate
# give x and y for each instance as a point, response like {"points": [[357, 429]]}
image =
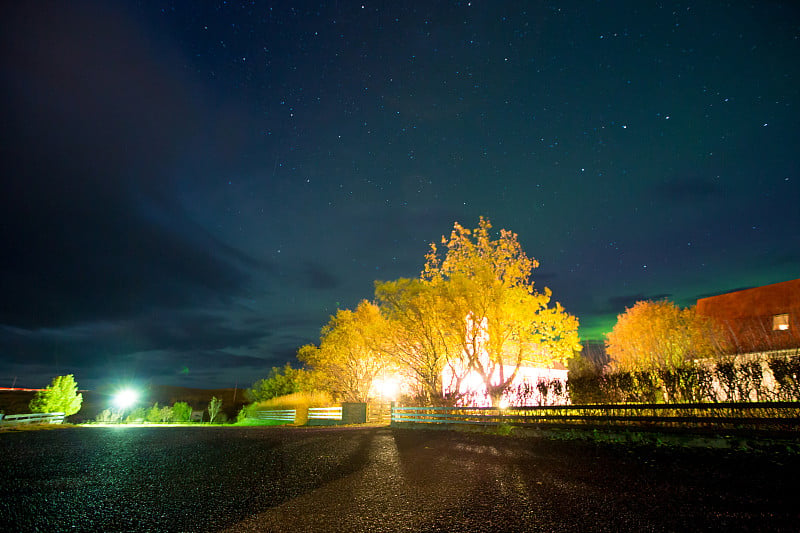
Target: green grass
{"points": [[32, 427], [254, 422]]}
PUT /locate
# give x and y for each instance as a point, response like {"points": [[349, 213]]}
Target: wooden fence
{"points": [[324, 413], [279, 415], [290, 415], [32, 418], [346, 413], [379, 413], [731, 417]]}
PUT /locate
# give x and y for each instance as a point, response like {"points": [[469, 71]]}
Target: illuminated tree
{"points": [[505, 323], [347, 359], [213, 408], [61, 396], [137, 414], [280, 382], [181, 412], [422, 337], [658, 335], [158, 414]]}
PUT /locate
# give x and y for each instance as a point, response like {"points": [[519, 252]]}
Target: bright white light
{"points": [[387, 388], [503, 403], [125, 398]]}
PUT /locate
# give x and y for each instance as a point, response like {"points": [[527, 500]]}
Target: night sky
{"points": [[190, 189]]}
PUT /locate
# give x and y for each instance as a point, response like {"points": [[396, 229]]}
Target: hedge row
{"points": [[770, 379]]}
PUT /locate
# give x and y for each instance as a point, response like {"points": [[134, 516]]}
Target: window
{"points": [[780, 322]]}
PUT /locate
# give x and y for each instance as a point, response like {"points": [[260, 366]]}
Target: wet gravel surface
{"points": [[379, 479]]}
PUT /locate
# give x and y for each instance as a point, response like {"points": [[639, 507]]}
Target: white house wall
{"points": [[473, 388]]}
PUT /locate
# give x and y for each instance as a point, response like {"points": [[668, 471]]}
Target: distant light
{"points": [[387, 388], [125, 398]]}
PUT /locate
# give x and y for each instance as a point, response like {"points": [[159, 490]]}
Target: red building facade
{"points": [[758, 319]]}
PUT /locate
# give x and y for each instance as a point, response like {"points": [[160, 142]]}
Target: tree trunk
{"points": [[496, 395]]}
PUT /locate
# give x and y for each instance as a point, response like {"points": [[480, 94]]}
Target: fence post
{"points": [[301, 415]]}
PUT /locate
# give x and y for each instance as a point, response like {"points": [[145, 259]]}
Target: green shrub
{"points": [[181, 412], [138, 414], [244, 413], [107, 416], [61, 396], [154, 414]]}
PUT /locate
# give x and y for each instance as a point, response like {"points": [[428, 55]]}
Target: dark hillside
{"points": [[15, 402]]}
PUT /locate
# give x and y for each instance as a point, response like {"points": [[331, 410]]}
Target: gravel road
{"points": [[378, 479]]}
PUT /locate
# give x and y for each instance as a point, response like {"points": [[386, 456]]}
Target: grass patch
{"points": [[503, 429], [32, 427], [753, 443], [254, 422]]}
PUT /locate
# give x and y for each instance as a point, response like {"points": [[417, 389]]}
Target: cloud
{"points": [[77, 269], [156, 348], [90, 343], [316, 277]]}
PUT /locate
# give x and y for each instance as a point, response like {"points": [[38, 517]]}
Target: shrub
{"points": [[181, 412], [166, 414], [786, 373], [154, 414], [138, 414], [585, 388], [246, 412], [107, 416], [61, 396]]}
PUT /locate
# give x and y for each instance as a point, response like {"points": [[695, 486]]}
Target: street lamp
{"points": [[124, 399], [387, 387]]}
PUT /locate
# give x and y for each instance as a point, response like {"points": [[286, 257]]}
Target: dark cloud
{"points": [[278, 355], [77, 269], [93, 342], [189, 369], [198, 331], [318, 278], [161, 352]]}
